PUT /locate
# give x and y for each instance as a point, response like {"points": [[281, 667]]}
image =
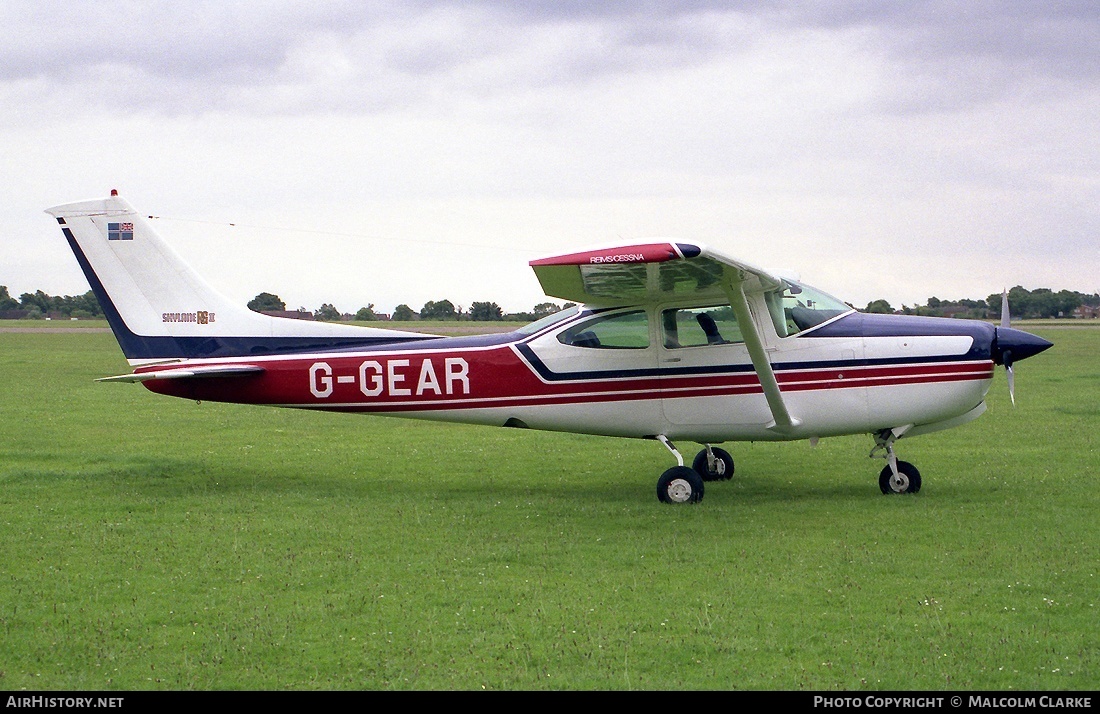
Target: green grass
{"points": [[152, 543], [46, 324]]}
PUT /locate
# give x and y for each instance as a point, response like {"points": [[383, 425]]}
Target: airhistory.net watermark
{"points": [[50, 702]]}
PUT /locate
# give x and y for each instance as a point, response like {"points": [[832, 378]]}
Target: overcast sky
{"points": [[399, 152]]}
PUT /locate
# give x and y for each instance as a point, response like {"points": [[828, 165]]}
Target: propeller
{"points": [[1011, 346], [1006, 357]]}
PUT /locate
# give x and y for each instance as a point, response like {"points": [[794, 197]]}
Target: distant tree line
{"points": [[432, 310], [1038, 303], [1023, 303], [38, 305]]}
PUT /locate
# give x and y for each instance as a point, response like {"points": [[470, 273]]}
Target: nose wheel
{"points": [[897, 476], [907, 479]]}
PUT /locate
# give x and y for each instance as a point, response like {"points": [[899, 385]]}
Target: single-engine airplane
{"points": [[672, 341]]}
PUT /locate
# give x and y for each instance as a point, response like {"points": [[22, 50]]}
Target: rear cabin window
{"points": [[624, 331], [700, 326]]}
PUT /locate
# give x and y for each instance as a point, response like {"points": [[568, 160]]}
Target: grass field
{"points": [[152, 543]]}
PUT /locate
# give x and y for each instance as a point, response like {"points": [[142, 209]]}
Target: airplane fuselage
{"points": [[856, 374]]}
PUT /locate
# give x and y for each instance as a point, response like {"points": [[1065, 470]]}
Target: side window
{"points": [[699, 326], [625, 331]]}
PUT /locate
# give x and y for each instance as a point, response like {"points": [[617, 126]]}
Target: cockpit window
{"points": [[797, 307], [625, 331], [699, 326]]}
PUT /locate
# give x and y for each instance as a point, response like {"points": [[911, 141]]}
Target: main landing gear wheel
{"points": [[908, 480], [723, 465], [680, 485]]}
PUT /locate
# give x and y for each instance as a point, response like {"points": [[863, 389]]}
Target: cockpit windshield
{"points": [[797, 307]]}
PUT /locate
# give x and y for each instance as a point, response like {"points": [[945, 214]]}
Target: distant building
{"points": [[1087, 312]]}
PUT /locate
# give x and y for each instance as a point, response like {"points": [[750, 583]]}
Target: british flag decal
{"points": [[120, 231]]}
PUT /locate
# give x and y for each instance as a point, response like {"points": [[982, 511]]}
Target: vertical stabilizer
{"points": [[159, 308]]}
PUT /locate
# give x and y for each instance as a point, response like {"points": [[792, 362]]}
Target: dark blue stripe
{"points": [[445, 343], [860, 324]]}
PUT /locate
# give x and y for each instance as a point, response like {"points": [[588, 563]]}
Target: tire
{"points": [[909, 475], [723, 464], [680, 485]]}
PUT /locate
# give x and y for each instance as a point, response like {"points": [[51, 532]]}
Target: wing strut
{"points": [[781, 418]]}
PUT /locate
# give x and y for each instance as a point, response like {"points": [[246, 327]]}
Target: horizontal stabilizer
{"points": [[224, 370]]}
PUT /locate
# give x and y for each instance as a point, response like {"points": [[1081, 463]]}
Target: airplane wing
{"points": [[220, 370], [647, 273]]}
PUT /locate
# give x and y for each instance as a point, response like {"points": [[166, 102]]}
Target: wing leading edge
{"points": [[648, 273]]}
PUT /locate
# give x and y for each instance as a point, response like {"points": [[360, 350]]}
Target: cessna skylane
{"points": [[671, 341]]}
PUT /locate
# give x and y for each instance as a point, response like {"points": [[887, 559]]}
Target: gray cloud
{"points": [[983, 42], [194, 57]]}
